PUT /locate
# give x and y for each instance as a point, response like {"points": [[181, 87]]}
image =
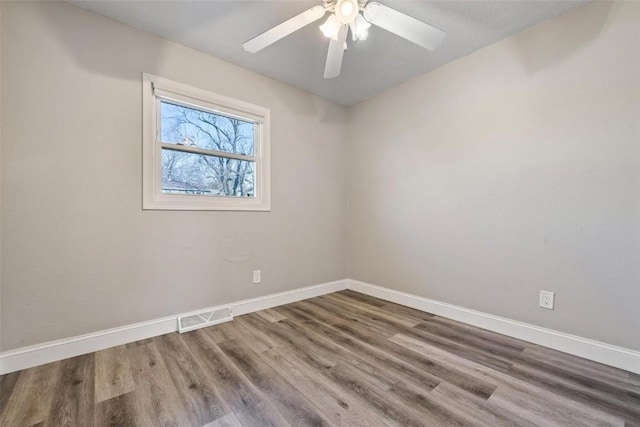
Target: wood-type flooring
{"points": [[344, 359]]}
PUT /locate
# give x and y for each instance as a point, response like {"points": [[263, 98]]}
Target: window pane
{"points": [[189, 173], [188, 126]]}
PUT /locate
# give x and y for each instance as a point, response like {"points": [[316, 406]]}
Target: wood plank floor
{"points": [[342, 359]]}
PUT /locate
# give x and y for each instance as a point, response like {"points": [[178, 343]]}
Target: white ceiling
{"points": [[219, 27]]}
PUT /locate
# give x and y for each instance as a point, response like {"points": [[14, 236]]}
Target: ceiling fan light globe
{"points": [[361, 28], [331, 27], [347, 10], [362, 35]]}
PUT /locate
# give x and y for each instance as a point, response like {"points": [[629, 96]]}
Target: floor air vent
{"points": [[192, 321]]}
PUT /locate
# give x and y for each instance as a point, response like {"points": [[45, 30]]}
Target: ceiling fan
{"points": [[356, 16]]}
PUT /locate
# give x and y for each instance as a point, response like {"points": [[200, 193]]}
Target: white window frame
{"points": [[155, 89]]}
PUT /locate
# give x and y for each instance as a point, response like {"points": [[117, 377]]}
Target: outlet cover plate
{"points": [[546, 299], [256, 276]]}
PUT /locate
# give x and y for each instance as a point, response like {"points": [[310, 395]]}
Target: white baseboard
{"points": [[27, 357], [40, 354], [607, 354], [274, 300]]}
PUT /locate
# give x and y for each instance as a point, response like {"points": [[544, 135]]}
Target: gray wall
{"points": [[511, 170], [514, 169], [0, 173], [80, 254]]}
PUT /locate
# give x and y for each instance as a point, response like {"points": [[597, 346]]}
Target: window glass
{"points": [[191, 173], [197, 128]]}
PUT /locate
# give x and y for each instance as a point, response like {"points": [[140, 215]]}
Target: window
{"points": [[202, 151]]}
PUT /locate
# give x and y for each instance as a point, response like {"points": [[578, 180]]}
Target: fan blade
{"points": [[335, 54], [403, 25], [287, 27]]}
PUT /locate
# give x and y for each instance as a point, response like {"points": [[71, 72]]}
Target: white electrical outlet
{"points": [[256, 276], [546, 299]]}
